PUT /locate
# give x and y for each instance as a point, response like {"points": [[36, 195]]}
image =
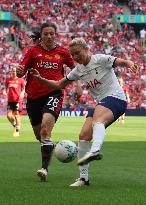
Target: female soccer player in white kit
{"points": [[96, 71]]}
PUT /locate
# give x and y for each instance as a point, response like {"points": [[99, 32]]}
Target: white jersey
{"points": [[99, 77]]}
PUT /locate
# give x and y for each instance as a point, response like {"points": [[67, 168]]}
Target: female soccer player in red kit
{"points": [[44, 103], [15, 89]]}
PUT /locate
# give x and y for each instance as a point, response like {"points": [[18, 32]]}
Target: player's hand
{"points": [[21, 96], [4, 92], [133, 67], [34, 73], [21, 70]]}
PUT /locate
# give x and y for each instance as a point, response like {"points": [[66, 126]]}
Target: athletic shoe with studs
{"points": [[80, 182], [42, 174], [88, 157]]}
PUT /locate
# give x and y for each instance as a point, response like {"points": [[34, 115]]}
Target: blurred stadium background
{"points": [[116, 27]]}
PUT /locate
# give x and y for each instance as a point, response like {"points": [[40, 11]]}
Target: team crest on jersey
{"points": [[57, 56], [48, 57]]}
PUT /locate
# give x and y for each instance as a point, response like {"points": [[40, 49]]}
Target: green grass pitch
{"points": [[118, 179]]}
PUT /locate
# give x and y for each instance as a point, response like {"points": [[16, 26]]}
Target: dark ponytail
{"points": [[35, 36]]}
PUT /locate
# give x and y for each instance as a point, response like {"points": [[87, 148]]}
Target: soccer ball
{"points": [[66, 151]]}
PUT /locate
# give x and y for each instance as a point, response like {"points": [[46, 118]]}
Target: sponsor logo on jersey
{"points": [[57, 56], [13, 85], [93, 83], [47, 65]]}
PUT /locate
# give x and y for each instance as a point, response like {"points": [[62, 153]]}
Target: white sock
{"points": [[83, 147], [17, 128], [97, 136], [14, 124]]}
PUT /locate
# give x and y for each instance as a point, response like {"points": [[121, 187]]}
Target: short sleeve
{"points": [[69, 60], [27, 60], [72, 76], [108, 61]]}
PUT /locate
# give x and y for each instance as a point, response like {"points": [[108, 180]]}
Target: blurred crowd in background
{"points": [[93, 20]]}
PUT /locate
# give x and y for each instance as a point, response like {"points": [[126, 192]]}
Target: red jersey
{"points": [[50, 66], [14, 88]]}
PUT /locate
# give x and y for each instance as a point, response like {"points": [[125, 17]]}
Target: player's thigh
{"points": [[9, 113], [51, 111], [103, 115], [53, 104], [108, 110], [86, 131], [10, 108], [16, 113], [35, 110]]}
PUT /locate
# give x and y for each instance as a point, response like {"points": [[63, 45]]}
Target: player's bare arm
{"points": [[21, 70], [127, 63], [50, 83], [22, 94], [5, 92], [79, 89]]}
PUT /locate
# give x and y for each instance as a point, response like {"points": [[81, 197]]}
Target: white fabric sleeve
{"points": [[73, 76], [108, 61]]}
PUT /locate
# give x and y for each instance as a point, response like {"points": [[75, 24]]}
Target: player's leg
{"points": [[50, 110], [10, 115], [105, 114], [119, 120], [16, 112], [84, 147], [123, 118], [47, 145], [18, 123], [35, 113]]}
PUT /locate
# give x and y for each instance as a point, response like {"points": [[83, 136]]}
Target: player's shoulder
{"points": [[33, 48], [61, 49], [8, 79], [21, 80], [99, 56]]}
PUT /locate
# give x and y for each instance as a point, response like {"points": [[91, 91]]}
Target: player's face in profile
{"points": [[48, 35], [78, 53]]}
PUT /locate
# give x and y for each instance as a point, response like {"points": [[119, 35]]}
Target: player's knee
{"points": [[9, 115]]}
